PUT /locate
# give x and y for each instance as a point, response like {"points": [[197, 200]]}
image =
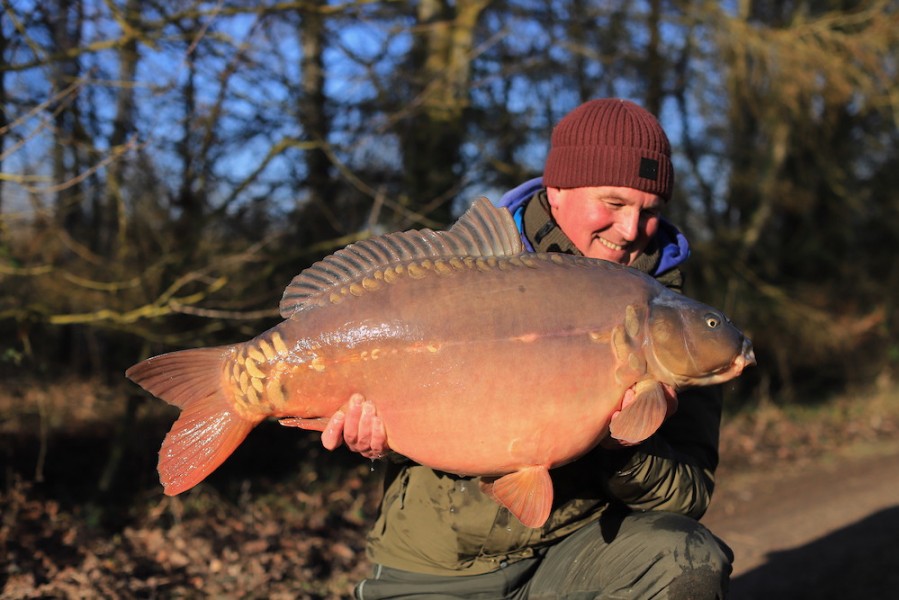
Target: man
{"points": [[624, 522]]}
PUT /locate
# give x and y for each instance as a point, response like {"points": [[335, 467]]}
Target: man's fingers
{"points": [[351, 426], [362, 441], [332, 436], [358, 425], [378, 437], [671, 398]]}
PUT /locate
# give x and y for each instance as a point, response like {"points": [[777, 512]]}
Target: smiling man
{"points": [[624, 521]]}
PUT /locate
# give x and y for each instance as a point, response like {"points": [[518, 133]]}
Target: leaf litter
{"points": [[285, 520]]}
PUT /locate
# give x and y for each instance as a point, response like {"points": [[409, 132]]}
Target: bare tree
{"points": [[434, 129], [184, 160], [801, 85]]}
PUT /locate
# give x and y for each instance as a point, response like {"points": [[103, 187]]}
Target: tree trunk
{"points": [[66, 31], [319, 216], [191, 197], [3, 125], [115, 215], [442, 55]]}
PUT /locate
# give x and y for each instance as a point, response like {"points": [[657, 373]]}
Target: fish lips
{"points": [[746, 358]]}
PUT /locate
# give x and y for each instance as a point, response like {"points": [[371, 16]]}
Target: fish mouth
{"points": [[746, 358]]}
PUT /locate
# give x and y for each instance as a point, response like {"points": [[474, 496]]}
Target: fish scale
{"points": [[481, 359]]}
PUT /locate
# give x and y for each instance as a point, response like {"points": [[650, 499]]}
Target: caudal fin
{"points": [[208, 430]]}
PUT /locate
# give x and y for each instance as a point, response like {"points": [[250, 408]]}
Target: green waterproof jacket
{"points": [[439, 523]]}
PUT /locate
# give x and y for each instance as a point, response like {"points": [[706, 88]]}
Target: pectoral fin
{"points": [[641, 415], [527, 493]]}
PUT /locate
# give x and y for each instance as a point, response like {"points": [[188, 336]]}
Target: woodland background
{"points": [[166, 167]]}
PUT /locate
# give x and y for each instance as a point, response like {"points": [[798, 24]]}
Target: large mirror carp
{"points": [[481, 359]]}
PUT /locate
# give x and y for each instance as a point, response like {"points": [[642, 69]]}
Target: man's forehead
{"points": [[628, 196]]}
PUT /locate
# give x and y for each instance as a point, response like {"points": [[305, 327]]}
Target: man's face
{"points": [[611, 223]]}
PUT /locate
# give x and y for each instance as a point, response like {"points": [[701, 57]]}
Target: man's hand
{"points": [[357, 424], [671, 399]]}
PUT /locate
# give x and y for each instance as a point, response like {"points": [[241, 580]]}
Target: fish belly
{"points": [[476, 373]]}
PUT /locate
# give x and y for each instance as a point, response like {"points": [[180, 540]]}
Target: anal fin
{"points": [[640, 415], [527, 493]]}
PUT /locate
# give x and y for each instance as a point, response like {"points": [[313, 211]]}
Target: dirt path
{"points": [[825, 530]]}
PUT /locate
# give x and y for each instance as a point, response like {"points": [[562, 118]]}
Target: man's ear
{"points": [[555, 197]]}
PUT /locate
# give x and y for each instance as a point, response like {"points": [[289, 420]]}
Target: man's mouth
{"points": [[610, 245]]}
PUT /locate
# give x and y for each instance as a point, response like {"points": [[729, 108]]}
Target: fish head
{"points": [[694, 344]]}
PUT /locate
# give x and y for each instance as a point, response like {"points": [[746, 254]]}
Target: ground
{"points": [[824, 528], [807, 497]]}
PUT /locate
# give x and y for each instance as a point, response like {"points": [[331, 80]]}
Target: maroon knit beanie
{"points": [[610, 142]]}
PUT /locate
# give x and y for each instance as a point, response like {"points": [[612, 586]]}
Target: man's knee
{"points": [[696, 564], [635, 555]]}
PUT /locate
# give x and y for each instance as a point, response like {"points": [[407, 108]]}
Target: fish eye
{"points": [[712, 321]]}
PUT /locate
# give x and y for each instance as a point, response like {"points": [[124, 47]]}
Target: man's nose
{"points": [[629, 224]]}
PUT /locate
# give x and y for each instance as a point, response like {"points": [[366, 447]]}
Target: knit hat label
{"points": [[649, 168]]}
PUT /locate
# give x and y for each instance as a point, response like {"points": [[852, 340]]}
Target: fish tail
{"points": [[209, 428]]}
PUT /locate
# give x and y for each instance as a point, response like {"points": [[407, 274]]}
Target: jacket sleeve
{"points": [[674, 469]]}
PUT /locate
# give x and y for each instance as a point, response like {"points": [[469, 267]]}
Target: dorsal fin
{"points": [[484, 230]]}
